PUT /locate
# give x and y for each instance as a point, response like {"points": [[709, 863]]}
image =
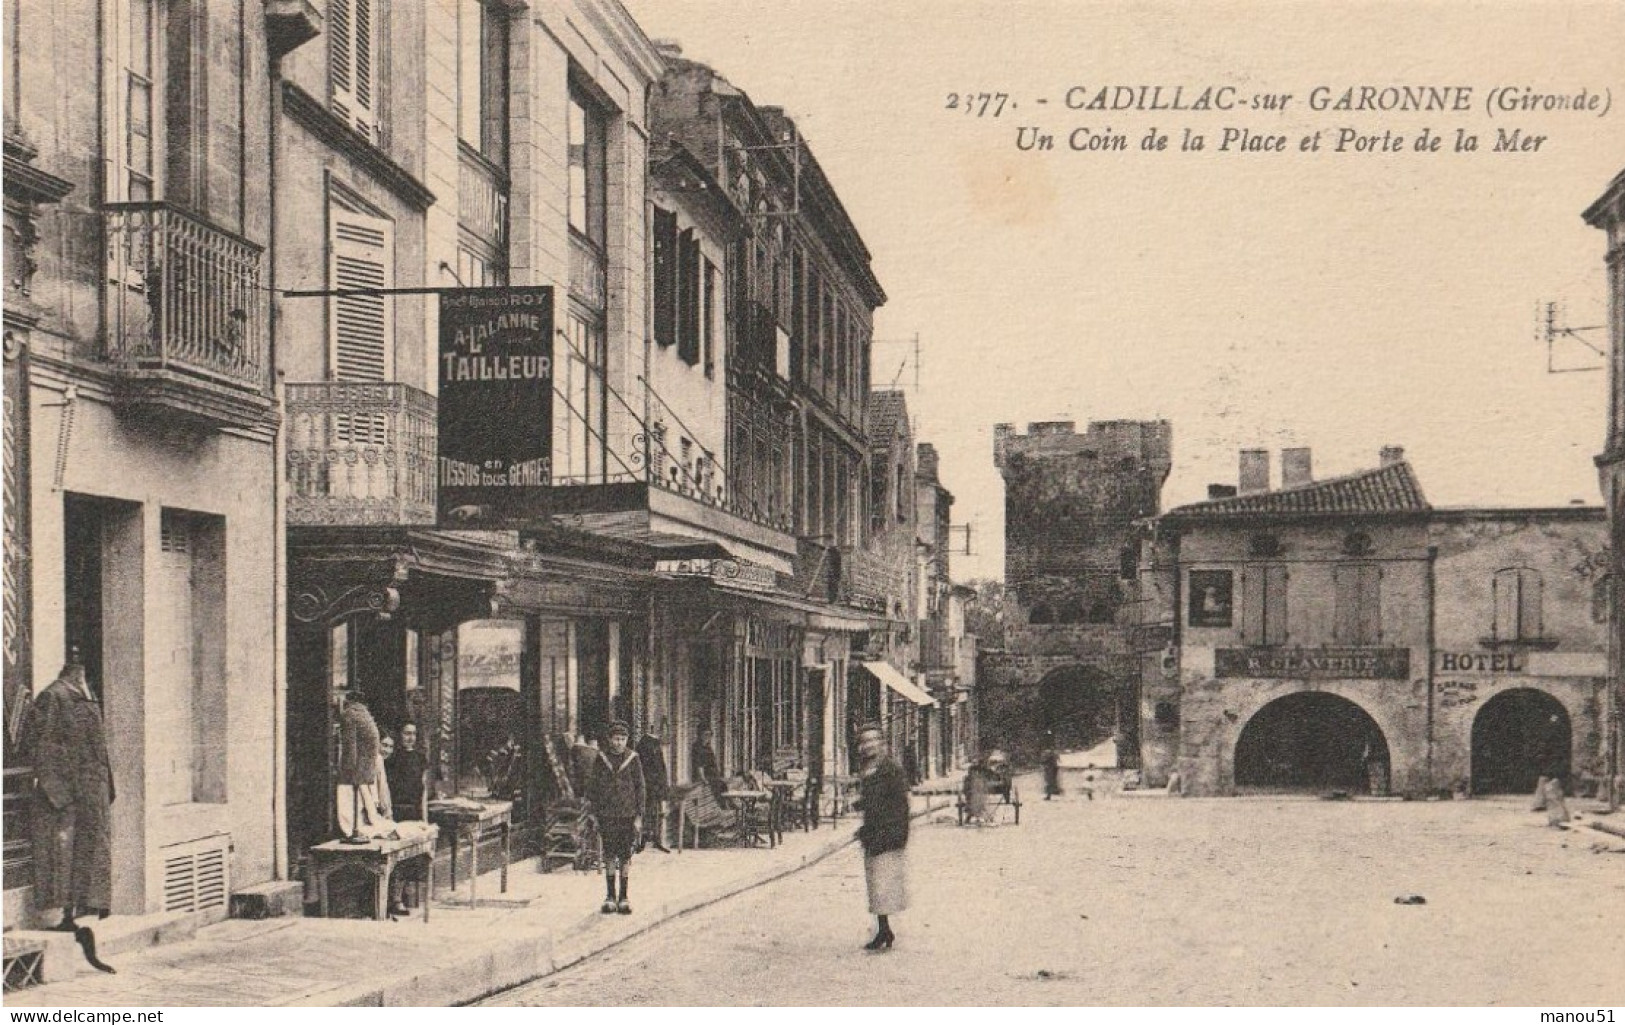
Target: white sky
{"points": [[1255, 300]]}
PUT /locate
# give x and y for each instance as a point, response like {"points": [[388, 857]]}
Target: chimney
{"points": [[668, 47], [1255, 470], [1295, 468], [1392, 454], [1215, 491]]}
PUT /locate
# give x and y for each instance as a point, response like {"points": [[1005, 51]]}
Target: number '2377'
{"points": [[979, 104]]}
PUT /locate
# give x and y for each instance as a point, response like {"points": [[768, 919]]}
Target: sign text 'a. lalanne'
{"points": [[496, 406]]}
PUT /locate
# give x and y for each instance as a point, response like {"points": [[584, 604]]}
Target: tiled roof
{"points": [[1387, 489], [886, 410]]}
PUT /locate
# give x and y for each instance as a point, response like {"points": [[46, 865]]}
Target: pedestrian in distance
{"points": [[615, 796], [883, 799], [1051, 760]]}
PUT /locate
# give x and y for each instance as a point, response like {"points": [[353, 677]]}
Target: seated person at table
{"points": [[703, 757]]}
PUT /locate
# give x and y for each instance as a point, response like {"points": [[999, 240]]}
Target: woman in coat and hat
{"points": [[883, 799]]}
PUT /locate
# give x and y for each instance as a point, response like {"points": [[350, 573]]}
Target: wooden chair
{"points": [[699, 811]]}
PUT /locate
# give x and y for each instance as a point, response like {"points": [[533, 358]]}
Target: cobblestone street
{"points": [[1136, 900]]}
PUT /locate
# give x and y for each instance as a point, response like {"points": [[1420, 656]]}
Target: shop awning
{"points": [[886, 674]]}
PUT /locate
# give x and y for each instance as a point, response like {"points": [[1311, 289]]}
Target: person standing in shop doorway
{"points": [[655, 785], [615, 796], [884, 834]]}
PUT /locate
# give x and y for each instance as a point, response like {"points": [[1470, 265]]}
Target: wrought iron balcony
{"points": [[186, 315], [360, 454]]}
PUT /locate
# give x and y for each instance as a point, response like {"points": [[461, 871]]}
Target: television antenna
{"points": [[1552, 328]]}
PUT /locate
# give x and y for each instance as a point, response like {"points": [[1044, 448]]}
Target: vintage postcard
{"points": [[708, 503]]}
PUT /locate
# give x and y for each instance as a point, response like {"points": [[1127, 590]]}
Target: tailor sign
{"points": [[495, 464], [1313, 663]]}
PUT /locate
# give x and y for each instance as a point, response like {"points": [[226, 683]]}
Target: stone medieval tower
{"points": [[1070, 663]]}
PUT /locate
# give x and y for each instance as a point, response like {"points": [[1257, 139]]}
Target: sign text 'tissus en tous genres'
{"points": [[1313, 663], [496, 406]]}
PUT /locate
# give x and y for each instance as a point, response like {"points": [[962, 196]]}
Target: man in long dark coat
{"points": [[656, 785], [73, 844]]}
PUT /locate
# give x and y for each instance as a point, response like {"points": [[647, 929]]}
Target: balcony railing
{"points": [[360, 453], [184, 297]]}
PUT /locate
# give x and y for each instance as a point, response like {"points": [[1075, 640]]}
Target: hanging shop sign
{"points": [[728, 571], [496, 407], [1313, 663]]}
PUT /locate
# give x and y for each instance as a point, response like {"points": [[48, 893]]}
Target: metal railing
{"points": [[184, 296], [360, 453]]}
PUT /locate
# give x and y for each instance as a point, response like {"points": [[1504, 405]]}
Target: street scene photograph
{"points": [[713, 504]]}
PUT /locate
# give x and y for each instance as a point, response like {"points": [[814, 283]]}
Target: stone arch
{"points": [[1083, 706], [1518, 736], [1312, 740]]}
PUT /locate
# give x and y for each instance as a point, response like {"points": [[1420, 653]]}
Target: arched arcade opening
{"points": [[1518, 736], [1312, 740]]}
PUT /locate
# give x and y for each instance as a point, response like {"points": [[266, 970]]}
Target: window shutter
{"points": [[361, 328], [1505, 590], [688, 328], [1344, 585], [709, 321], [350, 62], [1252, 606], [1370, 604], [1529, 604], [1274, 604], [665, 277]]}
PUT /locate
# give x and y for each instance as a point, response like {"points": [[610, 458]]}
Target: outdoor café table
{"points": [[745, 802], [950, 790], [781, 789], [474, 818], [378, 857]]}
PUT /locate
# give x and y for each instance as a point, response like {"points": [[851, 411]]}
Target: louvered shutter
{"points": [[362, 329], [665, 277], [1345, 586], [350, 28]]}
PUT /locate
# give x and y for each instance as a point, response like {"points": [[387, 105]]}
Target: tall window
{"points": [[482, 79], [352, 49], [1359, 603], [579, 430], [361, 328], [1263, 609], [588, 183], [708, 320], [133, 127], [1518, 599]]}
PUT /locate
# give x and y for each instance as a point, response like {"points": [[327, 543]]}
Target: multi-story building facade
{"points": [[947, 653], [1343, 634], [141, 422], [1073, 651], [1607, 214]]}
